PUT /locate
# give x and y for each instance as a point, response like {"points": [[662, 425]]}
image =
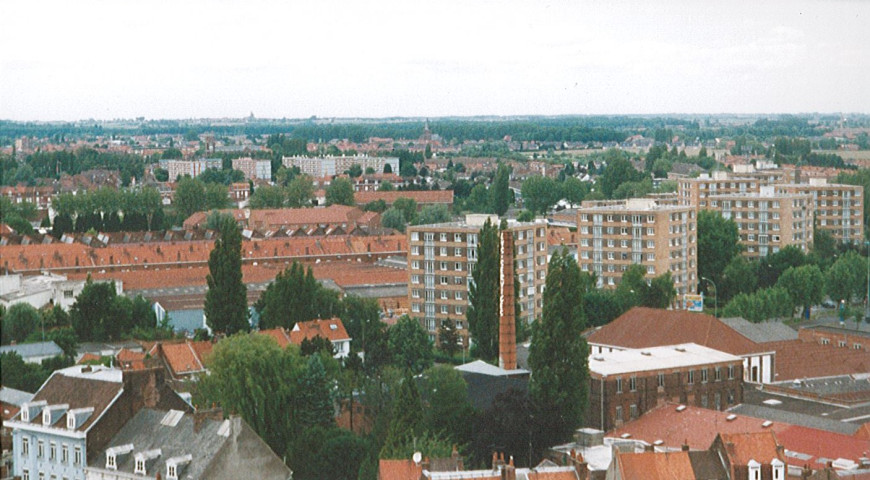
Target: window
{"points": [[704, 401], [618, 385], [415, 250], [443, 294], [415, 278], [77, 456], [25, 446], [25, 474], [717, 373], [730, 372], [458, 266], [691, 377], [632, 410], [415, 293], [415, 307], [52, 451], [457, 237], [444, 309], [457, 310], [661, 380], [140, 466], [110, 462], [442, 251], [443, 280], [415, 236], [40, 449], [457, 252], [618, 414], [632, 384], [704, 375], [68, 294], [443, 265], [64, 454], [41, 476], [841, 343], [457, 295]]}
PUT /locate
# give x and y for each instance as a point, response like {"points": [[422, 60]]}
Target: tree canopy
{"points": [[226, 301]]}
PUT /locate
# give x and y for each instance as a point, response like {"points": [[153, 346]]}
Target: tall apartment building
{"points": [[253, 169], [767, 221], [329, 166], [661, 237], [694, 191], [442, 257], [839, 208], [180, 168]]}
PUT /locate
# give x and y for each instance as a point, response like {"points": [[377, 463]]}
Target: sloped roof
{"points": [[655, 466], [761, 332], [78, 391], [331, 329], [643, 327], [822, 445], [30, 350], [863, 431], [279, 334], [796, 359], [186, 357], [743, 447]]}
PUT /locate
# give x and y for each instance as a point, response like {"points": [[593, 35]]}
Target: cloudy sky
{"points": [[104, 59]]}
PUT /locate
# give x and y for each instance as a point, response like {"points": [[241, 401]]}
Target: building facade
{"points": [[253, 169], [838, 208], [329, 166], [192, 168], [661, 237], [441, 259], [625, 384], [767, 221]]}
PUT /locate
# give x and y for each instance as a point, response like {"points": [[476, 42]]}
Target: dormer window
{"points": [[778, 469], [171, 472], [754, 470], [110, 462], [140, 466]]}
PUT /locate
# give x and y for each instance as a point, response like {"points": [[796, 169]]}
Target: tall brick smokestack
{"points": [[507, 334]]}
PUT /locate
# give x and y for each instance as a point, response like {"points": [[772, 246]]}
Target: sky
{"points": [[179, 59]]}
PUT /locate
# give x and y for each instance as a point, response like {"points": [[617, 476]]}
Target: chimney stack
{"points": [[507, 333], [685, 447]]}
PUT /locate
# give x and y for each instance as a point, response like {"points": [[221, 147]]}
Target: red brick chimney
{"points": [[507, 334], [509, 472]]}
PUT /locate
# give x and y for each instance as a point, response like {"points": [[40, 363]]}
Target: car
{"points": [[829, 304]]}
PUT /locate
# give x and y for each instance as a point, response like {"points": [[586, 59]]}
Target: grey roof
{"points": [[13, 396], [153, 429], [29, 350], [794, 418], [706, 464], [761, 332]]}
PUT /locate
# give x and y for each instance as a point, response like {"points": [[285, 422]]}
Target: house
{"points": [[42, 290], [624, 384], [33, 352], [182, 360], [76, 412], [174, 444], [754, 456], [331, 329], [453, 469], [421, 197]]}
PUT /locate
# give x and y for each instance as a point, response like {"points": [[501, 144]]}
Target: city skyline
{"points": [[213, 59]]}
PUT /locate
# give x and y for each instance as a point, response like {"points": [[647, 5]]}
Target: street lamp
{"points": [[715, 299]]}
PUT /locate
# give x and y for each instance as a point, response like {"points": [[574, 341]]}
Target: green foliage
{"points": [[394, 218], [408, 206], [478, 199], [513, 423], [267, 196], [314, 402], [340, 192], [805, 285], [502, 196], [526, 216], [316, 345], [355, 171], [313, 454], [18, 215], [574, 190], [432, 214], [296, 296], [761, 305], [410, 346], [407, 420], [483, 295], [540, 193], [216, 218], [189, 196], [740, 276], [634, 289], [226, 302], [633, 189], [161, 174], [846, 279], [618, 171], [448, 337], [378, 205], [717, 244], [100, 314], [448, 411], [216, 196], [771, 267], [558, 352], [300, 192], [386, 186], [602, 306], [14, 373], [18, 322]]}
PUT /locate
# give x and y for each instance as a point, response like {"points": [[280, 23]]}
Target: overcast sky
{"points": [[68, 60]]}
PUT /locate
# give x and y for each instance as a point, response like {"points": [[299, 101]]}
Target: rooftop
{"points": [[771, 331], [656, 358]]}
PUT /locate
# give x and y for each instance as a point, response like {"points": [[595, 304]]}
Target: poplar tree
{"points": [[226, 302], [483, 294], [558, 356], [501, 191]]}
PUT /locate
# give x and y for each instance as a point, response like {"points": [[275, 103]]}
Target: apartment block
{"points": [[839, 208], [329, 166], [442, 257], [625, 384], [180, 168], [661, 237], [253, 169], [694, 191], [767, 221]]}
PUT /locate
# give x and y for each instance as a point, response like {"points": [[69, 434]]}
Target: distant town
{"points": [[562, 297]]}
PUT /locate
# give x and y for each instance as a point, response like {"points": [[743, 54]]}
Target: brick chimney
{"points": [[507, 334], [509, 472], [685, 446]]}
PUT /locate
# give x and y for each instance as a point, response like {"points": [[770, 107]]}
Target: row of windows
{"points": [[52, 451], [444, 309], [690, 378], [442, 294], [705, 403]]}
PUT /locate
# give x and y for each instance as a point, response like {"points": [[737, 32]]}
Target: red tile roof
{"points": [[130, 360], [654, 466], [822, 444], [758, 446], [331, 329], [280, 335], [797, 359], [88, 358], [183, 358], [863, 431], [643, 327], [399, 470]]}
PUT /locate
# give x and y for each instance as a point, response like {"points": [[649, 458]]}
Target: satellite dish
{"points": [[417, 457]]}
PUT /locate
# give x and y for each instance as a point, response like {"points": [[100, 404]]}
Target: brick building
{"points": [[192, 168], [767, 221], [442, 256], [838, 208], [625, 384], [660, 237], [253, 169]]}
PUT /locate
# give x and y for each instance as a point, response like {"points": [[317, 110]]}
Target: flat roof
{"points": [[656, 358]]}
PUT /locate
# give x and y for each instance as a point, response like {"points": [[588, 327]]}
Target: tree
{"points": [[253, 377], [340, 192], [300, 191], [846, 279], [378, 205], [660, 293], [574, 190], [216, 196], [448, 337], [805, 285], [717, 244], [314, 403], [540, 193], [448, 410], [98, 314], [18, 322], [740, 276], [189, 197], [601, 306], [394, 218], [483, 295], [316, 345], [618, 171], [386, 187], [355, 171], [774, 302], [410, 346], [502, 196], [558, 355], [478, 199], [295, 296], [15, 373], [407, 419], [408, 206], [226, 301], [432, 214], [267, 196], [771, 267]]}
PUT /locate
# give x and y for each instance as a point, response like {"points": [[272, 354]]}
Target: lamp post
{"points": [[715, 298]]}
